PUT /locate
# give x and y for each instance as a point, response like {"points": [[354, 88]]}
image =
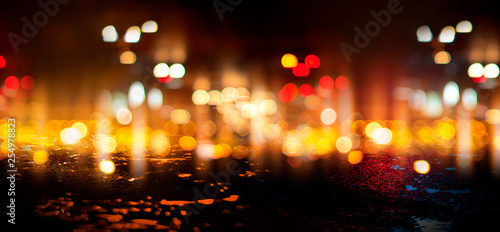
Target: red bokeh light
{"points": [[301, 70], [480, 79], [2, 62], [166, 79], [312, 61], [288, 92], [12, 82], [27, 83], [326, 82], [305, 90], [342, 82]]}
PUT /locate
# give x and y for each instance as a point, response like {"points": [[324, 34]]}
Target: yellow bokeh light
{"points": [[445, 131], [107, 166], [189, 128], [70, 136], [381, 136], [226, 149], [209, 128], [215, 97], [371, 127], [107, 144], [421, 166], [289, 61], [187, 142], [355, 157], [127, 57], [40, 157], [496, 142], [171, 128], [159, 142], [200, 97], [268, 107], [493, 116], [80, 126], [323, 146], [343, 144], [180, 116]]}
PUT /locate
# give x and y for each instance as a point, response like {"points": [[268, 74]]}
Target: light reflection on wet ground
{"points": [[382, 193]]}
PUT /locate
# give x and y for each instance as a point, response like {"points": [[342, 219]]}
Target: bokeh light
{"points": [[491, 71], [492, 116], [342, 82], [161, 70], [2, 62], [133, 34], [81, 127], [180, 116], [27, 82], [326, 82], [289, 61], [127, 57], [328, 116], [187, 143], [447, 35], [442, 57], [149, 26], [421, 166], [155, 99], [381, 136], [451, 94], [109, 34], [343, 144], [464, 26], [107, 144], [305, 90], [469, 99], [475, 70], [124, 116], [355, 157], [424, 34], [301, 70], [136, 94], [200, 97], [11, 82], [288, 92], [70, 136], [40, 157], [107, 166], [177, 70], [312, 61]]}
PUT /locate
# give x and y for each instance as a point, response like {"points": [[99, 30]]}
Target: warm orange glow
{"points": [[355, 157], [187, 143]]}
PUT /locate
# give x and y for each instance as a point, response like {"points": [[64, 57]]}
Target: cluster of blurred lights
{"points": [[447, 34], [480, 74], [12, 83], [290, 61], [132, 35], [162, 70]]}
